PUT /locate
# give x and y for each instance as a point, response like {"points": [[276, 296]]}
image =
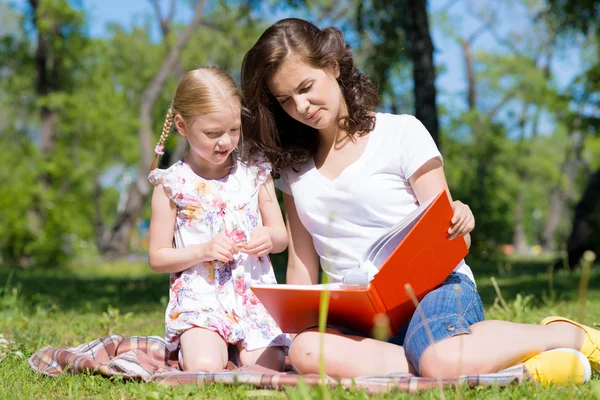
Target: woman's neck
{"points": [[333, 136]]}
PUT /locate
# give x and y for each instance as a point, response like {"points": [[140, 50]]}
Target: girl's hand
{"points": [[220, 248], [260, 243], [463, 221]]}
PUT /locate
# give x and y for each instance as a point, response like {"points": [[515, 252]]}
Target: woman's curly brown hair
{"points": [[267, 128]]}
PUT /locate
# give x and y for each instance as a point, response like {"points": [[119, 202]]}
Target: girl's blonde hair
{"points": [[201, 91]]}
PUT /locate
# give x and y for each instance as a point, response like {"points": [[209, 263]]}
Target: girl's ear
{"points": [[180, 125]]}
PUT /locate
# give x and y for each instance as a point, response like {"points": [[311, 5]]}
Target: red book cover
{"points": [[423, 258]]}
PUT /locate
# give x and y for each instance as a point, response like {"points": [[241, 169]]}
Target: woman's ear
{"points": [[180, 125], [335, 69]]}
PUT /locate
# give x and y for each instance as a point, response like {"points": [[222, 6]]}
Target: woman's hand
{"points": [[463, 221], [260, 243]]}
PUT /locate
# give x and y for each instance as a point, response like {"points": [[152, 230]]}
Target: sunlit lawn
{"points": [[70, 305]]}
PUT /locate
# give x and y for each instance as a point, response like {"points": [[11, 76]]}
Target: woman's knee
{"points": [[442, 361], [303, 352]]}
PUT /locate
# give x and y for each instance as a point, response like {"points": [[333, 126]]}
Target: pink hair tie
{"points": [[159, 150]]}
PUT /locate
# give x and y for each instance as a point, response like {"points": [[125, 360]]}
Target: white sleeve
{"points": [[416, 146], [282, 183]]}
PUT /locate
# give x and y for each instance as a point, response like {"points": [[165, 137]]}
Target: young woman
{"points": [[348, 174]]}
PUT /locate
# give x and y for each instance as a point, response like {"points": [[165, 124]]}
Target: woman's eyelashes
{"points": [[305, 89]]}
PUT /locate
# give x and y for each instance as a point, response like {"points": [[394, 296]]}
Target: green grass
{"points": [[66, 306]]}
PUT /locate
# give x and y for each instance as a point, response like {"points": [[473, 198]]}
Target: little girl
{"points": [[214, 221]]}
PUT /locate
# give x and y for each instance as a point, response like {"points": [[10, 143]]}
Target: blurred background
{"points": [[509, 89]]}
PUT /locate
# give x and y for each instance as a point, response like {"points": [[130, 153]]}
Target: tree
{"points": [[582, 16], [40, 74], [399, 30], [116, 241]]}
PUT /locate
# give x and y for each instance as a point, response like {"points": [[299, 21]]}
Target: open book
{"points": [[415, 251]]}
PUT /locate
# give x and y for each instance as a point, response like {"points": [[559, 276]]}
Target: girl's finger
{"points": [[261, 250], [225, 252], [254, 245], [227, 241], [219, 257], [264, 252]]}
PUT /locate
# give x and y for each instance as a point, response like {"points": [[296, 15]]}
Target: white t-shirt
{"points": [[347, 214]]}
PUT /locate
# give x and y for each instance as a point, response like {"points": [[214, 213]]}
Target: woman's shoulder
{"points": [[401, 129], [399, 123]]}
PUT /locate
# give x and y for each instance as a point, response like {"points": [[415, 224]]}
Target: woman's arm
{"points": [[303, 260], [161, 254], [271, 216], [271, 237], [427, 182]]}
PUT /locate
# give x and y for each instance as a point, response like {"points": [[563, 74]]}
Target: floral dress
{"points": [[216, 295]]}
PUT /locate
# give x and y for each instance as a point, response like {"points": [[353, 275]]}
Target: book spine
{"points": [[378, 304]]}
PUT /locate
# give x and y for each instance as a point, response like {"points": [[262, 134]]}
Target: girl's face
{"points": [[212, 136], [309, 95]]}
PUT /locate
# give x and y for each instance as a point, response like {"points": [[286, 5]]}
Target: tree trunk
{"points": [[471, 88], [47, 82], [421, 52], [557, 207], [519, 240], [586, 222], [562, 194], [116, 242]]}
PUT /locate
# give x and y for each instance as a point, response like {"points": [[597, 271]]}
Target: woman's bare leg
{"points": [[268, 357], [347, 356], [495, 345]]}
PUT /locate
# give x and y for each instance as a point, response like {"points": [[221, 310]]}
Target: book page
{"points": [[381, 249]]}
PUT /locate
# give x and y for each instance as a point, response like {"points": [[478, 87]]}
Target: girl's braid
{"points": [[159, 149]]}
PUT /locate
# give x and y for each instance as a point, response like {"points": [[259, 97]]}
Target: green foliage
{"points": [[63, 307], [489, 160], [97, 100], [580, 14], [479, 171]]}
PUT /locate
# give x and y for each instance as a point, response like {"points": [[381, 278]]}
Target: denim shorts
{"points": [[448, 310]]}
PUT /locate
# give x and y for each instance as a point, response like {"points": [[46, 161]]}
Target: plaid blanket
{"points": [[146, 358]]}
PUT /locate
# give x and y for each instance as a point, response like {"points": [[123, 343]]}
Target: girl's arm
{"points": [[161, 254], [303, 260], [427, 182]]}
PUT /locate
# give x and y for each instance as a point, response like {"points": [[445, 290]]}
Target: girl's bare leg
{"points": [[202, 350]]}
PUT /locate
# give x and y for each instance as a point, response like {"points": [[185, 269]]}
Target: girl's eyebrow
{"points": [[297, 88]]}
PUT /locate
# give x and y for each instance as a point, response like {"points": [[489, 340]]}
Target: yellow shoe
{"points": [[559, 366], [591, 342]]}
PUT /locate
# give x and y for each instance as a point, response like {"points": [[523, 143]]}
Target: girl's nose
{"points": [[224, 141]]}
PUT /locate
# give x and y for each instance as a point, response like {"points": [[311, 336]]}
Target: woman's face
{"points": [[309, 95]]}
